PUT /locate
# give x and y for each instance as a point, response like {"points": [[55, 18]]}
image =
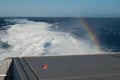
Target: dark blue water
{"points": [[107, 30]]}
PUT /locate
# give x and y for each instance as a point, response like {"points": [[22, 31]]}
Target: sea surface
{"points": [[54, 36]]}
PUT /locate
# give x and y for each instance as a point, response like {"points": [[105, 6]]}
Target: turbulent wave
{"points": [[29, 38]]}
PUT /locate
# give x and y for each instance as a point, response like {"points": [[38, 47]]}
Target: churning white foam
{"points": [[36, 39]]}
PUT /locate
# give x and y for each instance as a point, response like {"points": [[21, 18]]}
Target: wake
{"points": [[29, 38]]}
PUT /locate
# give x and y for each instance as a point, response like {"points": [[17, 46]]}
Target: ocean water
{"points": [[54, 36]]}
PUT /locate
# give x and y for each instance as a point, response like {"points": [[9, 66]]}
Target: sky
{"points": [[59, 8]]}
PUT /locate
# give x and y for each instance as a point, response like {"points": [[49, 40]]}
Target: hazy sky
{"points": [[58, 8]]}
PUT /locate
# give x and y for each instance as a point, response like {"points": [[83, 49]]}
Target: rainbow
{"points": [[91, 33]]}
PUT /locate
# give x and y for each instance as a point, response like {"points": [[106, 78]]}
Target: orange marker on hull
{"points": [[45, 66]]}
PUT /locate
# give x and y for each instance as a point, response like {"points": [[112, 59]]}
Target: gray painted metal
{"points": [[88, 67], [84, 67], [22, 70]]}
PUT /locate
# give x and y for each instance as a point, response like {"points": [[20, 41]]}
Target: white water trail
{"points": [[30, 38]]}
